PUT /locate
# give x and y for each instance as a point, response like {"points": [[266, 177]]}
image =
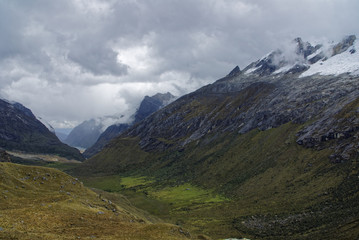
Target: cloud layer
{"points": [[71, 60]]}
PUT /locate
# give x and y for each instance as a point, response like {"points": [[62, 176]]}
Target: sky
{"points": [[72, 60]]}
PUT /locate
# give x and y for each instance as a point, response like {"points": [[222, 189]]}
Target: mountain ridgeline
{"points": [[20, 130], [148, 106], [281, 137], [86, 134]]}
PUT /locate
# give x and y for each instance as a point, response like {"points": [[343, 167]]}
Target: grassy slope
{"points": [[277, 188], [43, 203]]}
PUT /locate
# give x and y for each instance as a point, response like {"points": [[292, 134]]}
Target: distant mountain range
{"points": [[62, 133], [93, 134], [85, 134], [280, 137], [148, 106], [20, 130]]}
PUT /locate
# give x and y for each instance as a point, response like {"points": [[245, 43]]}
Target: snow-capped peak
{"points": [[302, 57], [344, 62]]}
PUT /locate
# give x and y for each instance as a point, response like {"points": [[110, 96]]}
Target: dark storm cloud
{"points": [[95, 57]]}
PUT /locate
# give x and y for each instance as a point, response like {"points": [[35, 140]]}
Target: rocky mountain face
{"points": [[86, 134], [110, 133], [282, 132], [61, 136], [20, 130], [148, 106], [264, 96]]}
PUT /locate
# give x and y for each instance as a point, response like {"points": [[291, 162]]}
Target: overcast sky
{"points": [[71, 60]]}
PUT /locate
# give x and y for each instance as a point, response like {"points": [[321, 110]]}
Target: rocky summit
{"points": [[148, 106], [264, 96], [279, 138]]}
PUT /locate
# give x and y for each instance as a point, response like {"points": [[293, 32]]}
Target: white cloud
{"points": [[71, 60]]}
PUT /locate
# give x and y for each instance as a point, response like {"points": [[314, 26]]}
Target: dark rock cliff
{"points": [[20, 130]]}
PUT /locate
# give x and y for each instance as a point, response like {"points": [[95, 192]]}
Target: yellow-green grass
{"points": [[176, 204], [264, 175], [43, 203], [187, 194], [129, 182], [106, 183]]}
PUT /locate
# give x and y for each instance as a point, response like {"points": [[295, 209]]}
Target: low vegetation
{"points": [[259, 185], [43, 203]]}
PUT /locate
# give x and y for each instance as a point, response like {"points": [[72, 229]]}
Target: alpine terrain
{"points": [[44, 203], [86, 134], [21, 131], [148, 106], [274, 147]]}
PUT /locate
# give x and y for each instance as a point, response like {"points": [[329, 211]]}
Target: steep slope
{"points": [[43, 203], [110, 133], [62, 136], [152, 104], [148, 106], [280, 141], [86, 134], [20, 130]]}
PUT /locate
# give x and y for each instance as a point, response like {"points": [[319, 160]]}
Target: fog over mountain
{"points": [[73, 60]]}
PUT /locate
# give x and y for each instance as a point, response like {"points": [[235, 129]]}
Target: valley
{"points": [[284, 189], [43, 203], [267, 152]]}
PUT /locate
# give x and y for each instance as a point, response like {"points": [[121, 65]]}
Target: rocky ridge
{"points": [[283, 145], [20, 130], [148, 106], [86, 134], [268, 99]]}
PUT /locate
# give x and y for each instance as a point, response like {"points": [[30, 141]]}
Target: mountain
{"points": [[85, 134], [279, 138], [325, 59], [89, 133], [148, 106], [48, 125], [152, 104], [62, 136], [44, 203], [110, 133], [62, 133], [20, 130]]}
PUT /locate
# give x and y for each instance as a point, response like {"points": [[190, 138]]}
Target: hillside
{"points": [[43, 203], [20, 130], [148, 106], [279, 139]]}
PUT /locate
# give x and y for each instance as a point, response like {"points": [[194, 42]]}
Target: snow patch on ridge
{"points": [[346, 62], [284, 69], [249, 71]]}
